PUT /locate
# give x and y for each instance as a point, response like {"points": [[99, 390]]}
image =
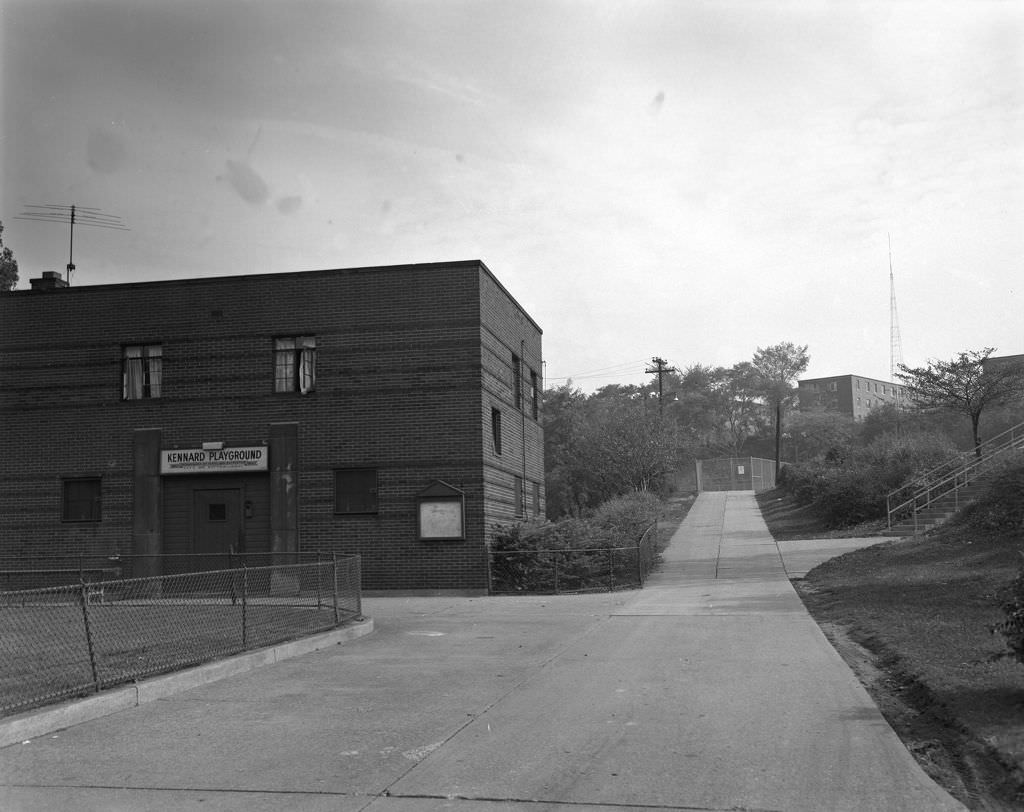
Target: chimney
{"points": [[51, 280]]}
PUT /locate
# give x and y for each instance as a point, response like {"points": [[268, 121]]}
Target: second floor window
{"points": [[142, 371], [517, 382], [295, 364], [496, 430], [534, 396]]}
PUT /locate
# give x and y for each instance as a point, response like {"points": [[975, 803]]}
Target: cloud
{"points": [[104, 151]]}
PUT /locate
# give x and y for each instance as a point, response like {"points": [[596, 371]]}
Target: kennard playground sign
{"points": [[213, 460]]}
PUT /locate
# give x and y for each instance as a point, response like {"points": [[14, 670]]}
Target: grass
{"points": [[912, 617]]}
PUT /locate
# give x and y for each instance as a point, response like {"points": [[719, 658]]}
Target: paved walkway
{"points": [[711, 689]]}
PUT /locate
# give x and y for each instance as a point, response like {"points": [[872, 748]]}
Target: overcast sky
{"points": [[690, 180]]}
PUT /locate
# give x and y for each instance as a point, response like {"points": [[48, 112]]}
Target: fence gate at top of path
{"points": [[735, 474]]}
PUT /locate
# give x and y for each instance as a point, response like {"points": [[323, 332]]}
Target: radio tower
{"points": [[895, 344]]}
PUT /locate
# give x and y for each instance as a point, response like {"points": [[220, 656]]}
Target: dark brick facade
{"points": [[410, 363]]}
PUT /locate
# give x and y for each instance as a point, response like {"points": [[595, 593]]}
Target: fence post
{"points": [[611, 571], [334, 582], [245, 595], [639, 561], [84, 600], [555, 556]]}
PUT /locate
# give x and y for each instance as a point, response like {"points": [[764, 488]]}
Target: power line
{"points": [[603, 372], [82, 215]]}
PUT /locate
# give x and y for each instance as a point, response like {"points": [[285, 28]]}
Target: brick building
{"points": [[852, 395], [389, 411]]}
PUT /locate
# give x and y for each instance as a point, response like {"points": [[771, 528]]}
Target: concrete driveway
{"points": [[710, 689]]}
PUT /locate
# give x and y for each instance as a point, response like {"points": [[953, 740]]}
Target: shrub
{"points": [[848, 490], [572, 554], [1013, 627]]}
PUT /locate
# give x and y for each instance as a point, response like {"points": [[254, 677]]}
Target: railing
{"points": [[574, 571], [41, 571], [950, 477], [73, 640]]}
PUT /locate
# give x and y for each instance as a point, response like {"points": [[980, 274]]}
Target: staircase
{"points": [[937, 494]]}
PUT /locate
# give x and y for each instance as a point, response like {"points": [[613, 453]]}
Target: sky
{"points": [[686, 180]]}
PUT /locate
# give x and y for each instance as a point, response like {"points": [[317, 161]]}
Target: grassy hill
{"points": [[912, 617]]}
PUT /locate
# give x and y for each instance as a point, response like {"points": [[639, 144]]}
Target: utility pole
{"points": [[660, 369]]}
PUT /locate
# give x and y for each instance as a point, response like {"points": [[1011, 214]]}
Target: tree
{"points": [[8, 265], [964, 385], [778, 367]]}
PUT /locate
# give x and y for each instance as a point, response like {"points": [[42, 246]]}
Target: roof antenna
{"points": [[82, 215]]}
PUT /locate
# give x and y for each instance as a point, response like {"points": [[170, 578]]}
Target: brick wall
{"points": [[409, 359]]}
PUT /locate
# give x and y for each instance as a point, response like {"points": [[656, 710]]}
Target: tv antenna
{"points": [[82, 215]]}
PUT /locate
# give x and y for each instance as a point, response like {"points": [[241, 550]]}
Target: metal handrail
{"points": [[950, 483], [953, 464]]}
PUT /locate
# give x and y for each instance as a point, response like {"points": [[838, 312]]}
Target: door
{"points": [[218, 526]]}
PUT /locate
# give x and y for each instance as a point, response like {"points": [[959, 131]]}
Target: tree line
{"points": [[626, 437], [644, 438]]}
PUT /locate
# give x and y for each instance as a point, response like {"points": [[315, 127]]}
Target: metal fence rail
{"points": [[597, 569], [74, 640], [60, 570]]}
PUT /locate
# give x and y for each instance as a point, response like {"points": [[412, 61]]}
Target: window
{"points": [[295, 364], [141, 371], [833, 387], [517, 381], [517, 494], [355, 490], [496, 430], [534, 395], [536, 499], [81, 500]]}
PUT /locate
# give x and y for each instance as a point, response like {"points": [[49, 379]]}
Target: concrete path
{"points": [[711, 689]]}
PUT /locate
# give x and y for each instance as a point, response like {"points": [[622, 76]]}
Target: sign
{"points": [[213, 460], [441, 519]]}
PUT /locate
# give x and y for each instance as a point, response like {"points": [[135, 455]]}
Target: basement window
{"points": [[355, 490], [81, 500]]}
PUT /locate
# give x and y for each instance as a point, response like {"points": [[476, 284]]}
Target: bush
{"points": [[572, 554], [848, 490], [1013, 627]]}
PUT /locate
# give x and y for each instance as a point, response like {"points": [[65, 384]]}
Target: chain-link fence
{"points": [[68, 641], [598, 569]]}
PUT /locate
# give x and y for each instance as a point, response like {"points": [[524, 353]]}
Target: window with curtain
{"points": [[142, 371], [295, 364]]}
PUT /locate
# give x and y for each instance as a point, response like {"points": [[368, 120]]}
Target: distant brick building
{"points": [[390, 411], [852, 395]]}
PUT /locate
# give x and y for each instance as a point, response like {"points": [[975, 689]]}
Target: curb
{"points": [[32, 724]]}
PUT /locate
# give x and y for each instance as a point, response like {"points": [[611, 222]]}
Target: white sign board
{"points": [[441, 519], [213, 460]]}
